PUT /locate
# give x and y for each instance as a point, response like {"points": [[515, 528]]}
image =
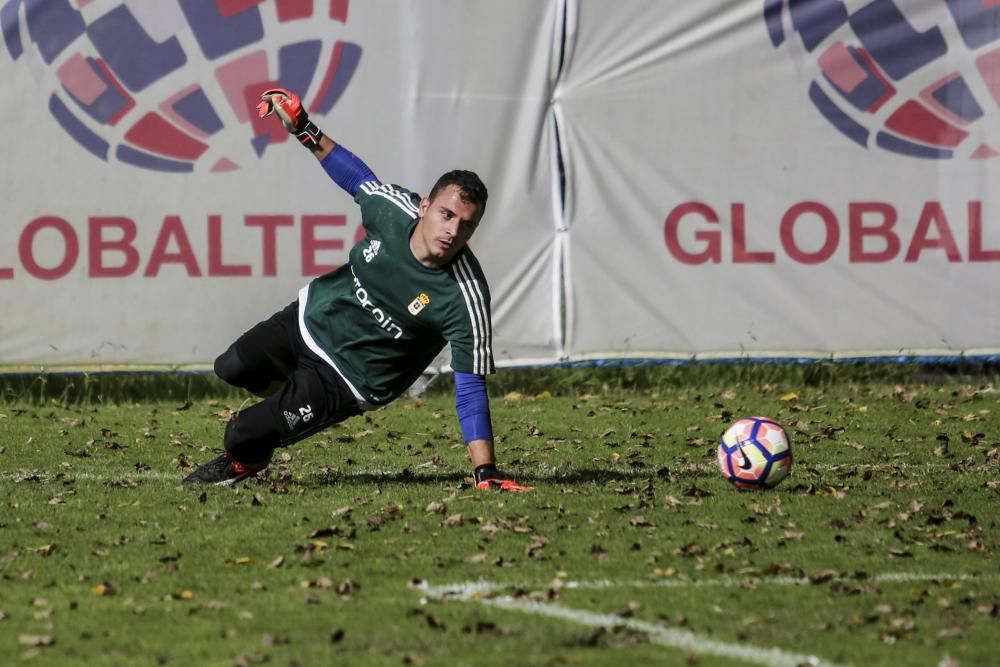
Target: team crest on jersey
{"points": [[418, 303], [371, 250]]}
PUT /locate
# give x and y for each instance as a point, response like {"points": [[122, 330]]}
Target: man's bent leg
{"points": [[262, 358], [314, 398]]}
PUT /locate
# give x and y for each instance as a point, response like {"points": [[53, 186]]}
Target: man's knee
{"points": [[231, 369]]}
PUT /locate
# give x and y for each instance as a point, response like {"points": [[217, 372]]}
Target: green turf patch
{"points": [[367, 545]]}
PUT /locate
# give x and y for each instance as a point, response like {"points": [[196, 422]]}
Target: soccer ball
{"points": [[755, 453]]}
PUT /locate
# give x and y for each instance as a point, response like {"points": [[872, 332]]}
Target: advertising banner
{"points": [[782, 178], [673, 180], [150, 217]]}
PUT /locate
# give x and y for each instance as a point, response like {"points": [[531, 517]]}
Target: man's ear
{"points": [[424, 204]]}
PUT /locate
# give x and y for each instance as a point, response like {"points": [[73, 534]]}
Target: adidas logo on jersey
{"points": [[371, 250], [292, 419]]}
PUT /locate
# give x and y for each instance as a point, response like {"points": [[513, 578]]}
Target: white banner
{"points": [[752, 179], [691, 179], [150, 218]]}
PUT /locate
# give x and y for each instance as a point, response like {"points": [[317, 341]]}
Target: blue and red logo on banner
{"points": [[925, 85], [124, 85]]}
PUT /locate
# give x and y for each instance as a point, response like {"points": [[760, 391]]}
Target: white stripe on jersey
{"points": [[487, 326], [482, 333], [386, 191], [311, 343]]}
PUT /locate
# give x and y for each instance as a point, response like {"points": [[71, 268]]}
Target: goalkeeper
{"points": [[359, 336]]}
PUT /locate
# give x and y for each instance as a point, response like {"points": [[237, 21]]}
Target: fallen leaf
{"points": [[45, 550], [250, 659], [988, 609], [104, 589], [823, 576], [36, 640], [694, 492], [630, 609], [951, 631], [534, 549], [348, 587], [325, 532], [212, 604], [489, 628]]}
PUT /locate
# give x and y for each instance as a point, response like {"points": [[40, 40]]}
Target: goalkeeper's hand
{"points": [[288, 107], [489, 477]]}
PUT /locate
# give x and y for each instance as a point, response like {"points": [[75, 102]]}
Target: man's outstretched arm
{"points": [[472, 404], [345, 168]]}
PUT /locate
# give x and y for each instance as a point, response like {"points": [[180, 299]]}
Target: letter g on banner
{"points": [[710, 240]]}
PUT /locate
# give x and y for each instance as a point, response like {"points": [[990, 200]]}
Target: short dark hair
{"points": [[470, 186]]}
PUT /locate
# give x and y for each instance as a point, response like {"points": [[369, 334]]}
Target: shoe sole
{"points": [[234, 480], [240, 478], [224, 482]]}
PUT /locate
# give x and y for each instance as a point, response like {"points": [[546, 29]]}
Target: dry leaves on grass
{"points": [[35, 640]]}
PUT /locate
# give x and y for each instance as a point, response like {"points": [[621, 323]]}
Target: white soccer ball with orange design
{"points": [[755, 453]]}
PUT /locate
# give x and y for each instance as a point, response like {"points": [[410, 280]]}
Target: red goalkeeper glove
{"points": [[489, 477], [288, 108]]}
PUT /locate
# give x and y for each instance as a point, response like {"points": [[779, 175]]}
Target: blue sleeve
{"points": [[473, 405], [346, 169]]}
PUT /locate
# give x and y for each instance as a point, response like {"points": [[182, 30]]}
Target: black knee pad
{"points": [[251, 435]]}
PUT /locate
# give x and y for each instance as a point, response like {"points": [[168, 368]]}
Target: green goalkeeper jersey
{"points": [[380, 319]]}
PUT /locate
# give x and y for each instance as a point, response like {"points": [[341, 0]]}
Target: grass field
{"points": [[366, 545]]}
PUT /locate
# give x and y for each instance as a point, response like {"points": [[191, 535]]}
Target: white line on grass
{"points": [[161, 476], [469, 590], [673, 637], [548, 475], [484, 592], [46, 476]]}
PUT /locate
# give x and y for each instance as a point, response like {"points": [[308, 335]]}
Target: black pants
{"points": [[312, 397]]}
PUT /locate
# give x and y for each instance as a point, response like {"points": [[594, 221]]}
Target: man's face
{"points": [[446, 224]]}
